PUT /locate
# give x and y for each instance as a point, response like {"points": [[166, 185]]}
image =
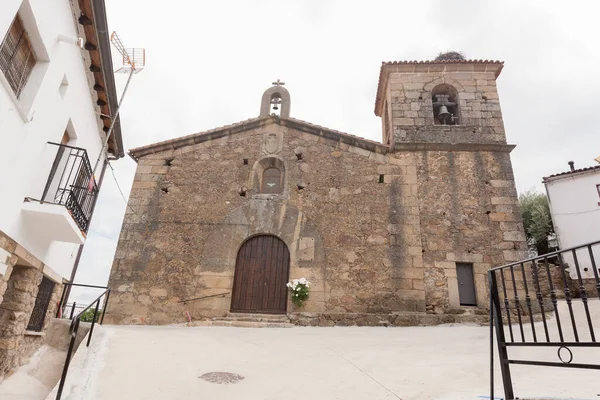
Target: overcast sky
{"points": [[208, 63]]}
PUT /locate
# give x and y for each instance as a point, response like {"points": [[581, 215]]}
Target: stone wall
{"points": [[18, 291], [189, 221], [15, 311], [469, 213], [387, 227]]}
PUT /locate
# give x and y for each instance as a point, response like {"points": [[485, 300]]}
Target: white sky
{"points": [[208, 63]]}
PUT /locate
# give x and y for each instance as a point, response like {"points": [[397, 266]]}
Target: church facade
{"points": [[400, 232]]}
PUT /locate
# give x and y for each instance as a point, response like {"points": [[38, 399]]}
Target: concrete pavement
{"points": [[443, 362]]}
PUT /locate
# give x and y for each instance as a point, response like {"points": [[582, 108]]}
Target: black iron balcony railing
{"points": [[71, 184]]}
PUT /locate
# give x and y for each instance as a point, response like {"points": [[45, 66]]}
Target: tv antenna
{"points": [[134, 60]]}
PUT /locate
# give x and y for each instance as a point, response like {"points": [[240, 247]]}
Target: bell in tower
{"points": [[274, 99], [443, 109]]}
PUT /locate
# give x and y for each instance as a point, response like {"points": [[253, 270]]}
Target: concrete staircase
{"points": [[243, 320]]}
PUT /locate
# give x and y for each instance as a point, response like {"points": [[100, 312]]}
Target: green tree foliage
{"points": [[537, 222], [88, 316]]}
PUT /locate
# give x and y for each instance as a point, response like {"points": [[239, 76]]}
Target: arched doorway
{"points": [[261, 272]]}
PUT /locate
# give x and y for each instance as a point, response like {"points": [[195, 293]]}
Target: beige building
{"points": [[399, 232]]}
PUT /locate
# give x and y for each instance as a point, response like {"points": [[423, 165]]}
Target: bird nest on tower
{"points": [[450, 55]]}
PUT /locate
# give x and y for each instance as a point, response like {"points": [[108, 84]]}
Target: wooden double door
{"points": [[261, 273]]}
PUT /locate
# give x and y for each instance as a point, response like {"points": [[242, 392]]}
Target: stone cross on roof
{"points": [[278, 83]]}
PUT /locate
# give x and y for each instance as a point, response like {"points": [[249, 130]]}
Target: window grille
{"points": [[42, 301], [17, 58]]}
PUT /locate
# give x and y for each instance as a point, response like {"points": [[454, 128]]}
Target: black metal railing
{"points": [[71, 184], [544, 302], [75, 322], [69, 310]]}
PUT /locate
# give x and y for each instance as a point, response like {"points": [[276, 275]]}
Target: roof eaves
{"points": [[335, 135], [253, 123], [200, 137], [580, 171], [382, 76], [101, 28]]}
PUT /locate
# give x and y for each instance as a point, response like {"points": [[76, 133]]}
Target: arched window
{"points": [[271, 181], [444, 99]]}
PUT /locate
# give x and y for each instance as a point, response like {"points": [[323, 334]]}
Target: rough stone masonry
{"points": [[378, 228]]}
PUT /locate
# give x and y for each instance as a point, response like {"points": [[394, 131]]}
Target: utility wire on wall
{"points": [[112, 170]]}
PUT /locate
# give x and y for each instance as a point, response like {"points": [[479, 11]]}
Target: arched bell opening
{"points": [[276, 100], [445, 102]]}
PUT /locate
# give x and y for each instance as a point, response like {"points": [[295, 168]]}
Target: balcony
{"points": [[66, 206]]}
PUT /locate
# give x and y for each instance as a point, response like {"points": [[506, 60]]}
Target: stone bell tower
{"points": [[447, 101], [444, 116]]}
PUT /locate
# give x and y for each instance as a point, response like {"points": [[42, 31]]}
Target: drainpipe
{"points": [[80, 250]]}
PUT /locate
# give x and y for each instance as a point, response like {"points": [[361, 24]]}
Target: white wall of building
{"points": [[575, 209], [41, 115]]}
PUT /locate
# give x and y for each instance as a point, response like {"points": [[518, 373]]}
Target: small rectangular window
{"points": [[17, 57]]}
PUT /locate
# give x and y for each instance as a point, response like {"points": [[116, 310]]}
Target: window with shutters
{"points": [[17, 57]]}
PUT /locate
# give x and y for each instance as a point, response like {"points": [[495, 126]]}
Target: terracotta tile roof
{"points": [[252, 123], [378, 96], [443, 62], [595, 168]]}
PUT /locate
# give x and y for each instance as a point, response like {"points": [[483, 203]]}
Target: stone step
{"points": [[252, 324], [241, 324], [467, 311], [247, 320], [274, 318]]}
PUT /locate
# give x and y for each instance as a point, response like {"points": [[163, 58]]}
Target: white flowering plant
{"points": [[299, 290]]}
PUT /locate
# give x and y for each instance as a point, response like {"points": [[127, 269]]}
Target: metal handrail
{"points": [[203, 297], [95, 301], [67, 146], [543, 256], [74, 328]]}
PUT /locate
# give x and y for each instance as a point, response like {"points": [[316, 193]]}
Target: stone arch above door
{"points": [[262, 218]]}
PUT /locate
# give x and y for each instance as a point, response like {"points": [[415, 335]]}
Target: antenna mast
{"points": [[134, 60]]}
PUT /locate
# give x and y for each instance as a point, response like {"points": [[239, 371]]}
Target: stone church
{"points": [[400, 232]]}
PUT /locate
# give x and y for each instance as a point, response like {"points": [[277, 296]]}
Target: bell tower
{"points": [[442, 101], [276, 99]]}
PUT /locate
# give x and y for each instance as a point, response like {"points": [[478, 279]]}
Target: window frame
{"points": [[29, 93], [20, 59], [263, 187]]}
